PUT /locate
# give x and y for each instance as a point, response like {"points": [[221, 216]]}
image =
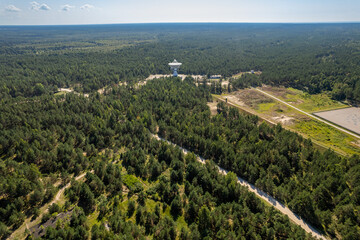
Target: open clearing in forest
{"points": [[30, 223], [182, 76], [238, 75], [254, 102], [63, 91], [304, 101], [213, 107]]}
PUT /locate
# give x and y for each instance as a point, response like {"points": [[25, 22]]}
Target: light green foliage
{"points": [[132, 182], [264, 107], [328, 136], [313, 102]]}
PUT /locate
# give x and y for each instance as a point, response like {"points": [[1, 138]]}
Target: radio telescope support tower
{"points": [[175, 66]]}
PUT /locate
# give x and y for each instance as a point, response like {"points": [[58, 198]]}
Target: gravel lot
{"points": [[348, 118]]}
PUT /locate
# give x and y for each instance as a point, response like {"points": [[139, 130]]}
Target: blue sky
{"points": [[44, 12]]}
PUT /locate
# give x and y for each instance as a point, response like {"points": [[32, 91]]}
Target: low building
{"points": [[215, 76]]}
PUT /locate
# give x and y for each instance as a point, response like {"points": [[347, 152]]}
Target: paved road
{"points": [[259, 193], [308, 114]]}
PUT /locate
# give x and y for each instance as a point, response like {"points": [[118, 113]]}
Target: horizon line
{"points": [[134, 23]]}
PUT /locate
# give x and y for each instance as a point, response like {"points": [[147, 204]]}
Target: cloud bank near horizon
{"points": [[37, 6], [40, 12]]}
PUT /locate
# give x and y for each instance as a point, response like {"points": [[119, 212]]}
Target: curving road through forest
{"points": [[261, 194]]}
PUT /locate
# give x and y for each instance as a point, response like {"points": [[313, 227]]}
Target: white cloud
{"points": [[12, 8], [37, 6], [67, 7], [87, 7], [44, 7]]}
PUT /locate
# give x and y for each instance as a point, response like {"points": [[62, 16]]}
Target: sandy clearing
{"points": [[213, 107], [18, 233], [285, 120], [68, 90], [235, 100], [65, 90], [182, 76]]}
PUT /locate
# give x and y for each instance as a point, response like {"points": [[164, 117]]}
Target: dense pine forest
{"points": [[60, 136], [137, 187], [311, 57]]}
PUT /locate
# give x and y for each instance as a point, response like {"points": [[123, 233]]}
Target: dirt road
{"points": [[18, 233], [259, 193]]}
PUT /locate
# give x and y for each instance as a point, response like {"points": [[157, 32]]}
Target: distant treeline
{"points": [[311, 57]]}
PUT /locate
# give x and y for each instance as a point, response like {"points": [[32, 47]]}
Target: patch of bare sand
{"points": [[357, 143], [213, 107], [182, 76], [152, 77], [236, 100], [238, 75], [251, 97], [225, 83], [277, 91], [65, 90], [285, 120], [101, 90]]}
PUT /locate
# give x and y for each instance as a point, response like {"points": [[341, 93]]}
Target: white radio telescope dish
{"points": [[175, 66]]}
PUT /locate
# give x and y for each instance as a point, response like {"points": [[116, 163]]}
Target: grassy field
{"points": [[327, 136], [305, 101], [264, 107], [321, 134]]}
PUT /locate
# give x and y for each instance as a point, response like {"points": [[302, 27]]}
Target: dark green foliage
{"points": [[131, 208], [203, 187], [312, 57], [4, 231], [86, 198], [191, 212], [42, 134], [176, 207], [45, 217], [54, 208], [141, 198], [245, 81], [204, 222], [140, 216], [184, 234], [244, 149], [165, 229]]}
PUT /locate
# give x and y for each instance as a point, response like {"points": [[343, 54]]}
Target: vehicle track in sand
{"points": [[17, 234]]}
